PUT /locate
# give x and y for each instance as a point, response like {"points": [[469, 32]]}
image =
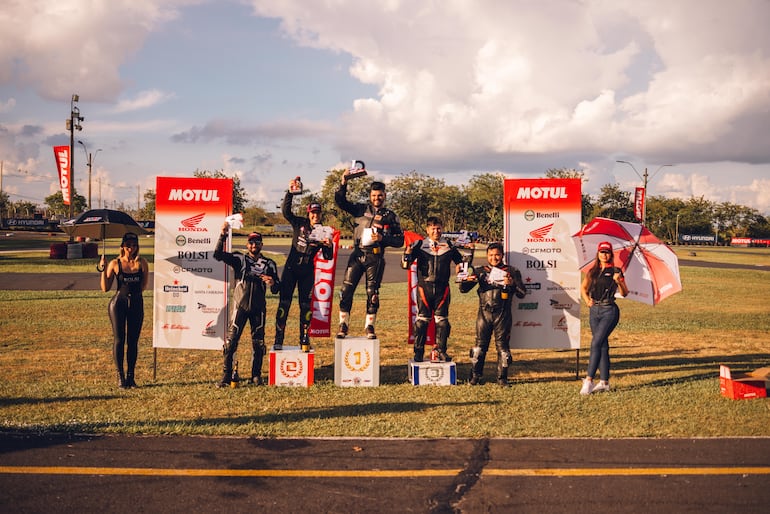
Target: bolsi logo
{"points": [[539, 235], [537, 193], [193, 195]]}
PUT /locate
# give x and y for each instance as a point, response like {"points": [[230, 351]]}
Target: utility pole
{"points": [[644, 178], [90, 164], [73, 123]]}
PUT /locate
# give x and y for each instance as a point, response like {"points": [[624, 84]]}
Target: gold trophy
{"points": [[357, 169]]}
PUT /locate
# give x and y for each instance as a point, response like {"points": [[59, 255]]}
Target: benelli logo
{"points": [[539, 235], [193, 195], [193, 221], [537, 193]]}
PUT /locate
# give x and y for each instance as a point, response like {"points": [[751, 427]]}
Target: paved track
{"points": [[202, 474]]}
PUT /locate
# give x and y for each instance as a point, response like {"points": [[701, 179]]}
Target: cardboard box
{"points": [[742, 386], [357, 362], [291, 367], [432, 373]]}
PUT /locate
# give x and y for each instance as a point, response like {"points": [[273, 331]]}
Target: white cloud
{"points": [[57, 46], [143, 100], [509, 79]]}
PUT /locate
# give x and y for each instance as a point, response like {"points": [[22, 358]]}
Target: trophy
{"points": [[466, 247], [295, 186], [357, 169]]}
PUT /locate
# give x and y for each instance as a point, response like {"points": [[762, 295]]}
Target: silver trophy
{"points": [[357, 169]]}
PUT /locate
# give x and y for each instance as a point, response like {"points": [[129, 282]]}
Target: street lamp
{"points": [[73, 123], [645, 179], [90, 164]]}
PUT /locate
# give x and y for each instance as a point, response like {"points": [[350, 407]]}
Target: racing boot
{"points": [[258, 350], [227, 366]]}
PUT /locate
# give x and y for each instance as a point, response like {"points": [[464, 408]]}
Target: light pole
{"points": [[90, 164], [645, 179], [677, 229], [73, 123]]}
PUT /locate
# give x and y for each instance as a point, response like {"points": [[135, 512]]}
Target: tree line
{"points": [[474, 206]]}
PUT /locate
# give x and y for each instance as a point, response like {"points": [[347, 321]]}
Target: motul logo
{"points": [[193, 195], [537, 193]]}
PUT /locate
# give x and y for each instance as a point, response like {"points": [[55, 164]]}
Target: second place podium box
{"points": [[291, 367]]}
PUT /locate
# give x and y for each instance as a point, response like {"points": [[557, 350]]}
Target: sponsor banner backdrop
{"points": [[323, 292], [190, 293], [540, 217]]}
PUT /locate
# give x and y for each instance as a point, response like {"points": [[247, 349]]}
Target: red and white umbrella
{"points": [[651, 268]]}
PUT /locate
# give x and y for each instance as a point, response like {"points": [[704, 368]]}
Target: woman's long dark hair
{"points": [[596, 269]]}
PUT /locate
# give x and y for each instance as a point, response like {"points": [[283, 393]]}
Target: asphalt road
{"points": [[118, 474]]}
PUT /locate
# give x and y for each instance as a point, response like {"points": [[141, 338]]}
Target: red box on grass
{"points": [[743, 386], [291, 367]]}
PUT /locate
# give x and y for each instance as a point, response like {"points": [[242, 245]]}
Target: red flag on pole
{"points": [[323, 292], [62, 156], [639, 203]]}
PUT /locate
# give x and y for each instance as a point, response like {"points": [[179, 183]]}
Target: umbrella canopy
{"points": [[651, 268], [102, 224]]}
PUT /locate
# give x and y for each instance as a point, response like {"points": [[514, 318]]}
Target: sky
{"points": [[269, 90]]}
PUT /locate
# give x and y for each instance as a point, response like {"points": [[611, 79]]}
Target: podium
{"points": [[291, 367], [357, 362], [432, 373]]}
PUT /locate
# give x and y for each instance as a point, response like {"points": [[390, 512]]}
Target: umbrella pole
{"points": [[154, 364], [577, 363]]}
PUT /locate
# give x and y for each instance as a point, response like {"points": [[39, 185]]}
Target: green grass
{"points": [[56, 373]]}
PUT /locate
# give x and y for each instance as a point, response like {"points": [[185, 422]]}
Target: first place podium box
{"points": [[357, 362], [432, 373], [291, 367]]}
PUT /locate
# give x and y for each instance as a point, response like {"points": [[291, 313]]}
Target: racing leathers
{"points": [[435, 262], [298, 271], [494, 316], [248, 305], [367, 257]]}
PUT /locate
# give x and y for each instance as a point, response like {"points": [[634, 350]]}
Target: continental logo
{"points": [[193, 195]]}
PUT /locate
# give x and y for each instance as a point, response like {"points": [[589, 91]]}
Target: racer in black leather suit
{"points": [[254, 273], [494, 316], [435, 256], [299, 270], [377, 227]]}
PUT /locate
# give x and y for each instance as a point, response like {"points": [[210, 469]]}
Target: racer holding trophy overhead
{"points": [[376, 228]]}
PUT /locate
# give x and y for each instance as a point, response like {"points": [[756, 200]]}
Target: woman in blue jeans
{"points": [[598, 290]]}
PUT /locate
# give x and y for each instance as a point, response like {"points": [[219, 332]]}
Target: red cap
{"points": [[254, 236], [604, 245]]}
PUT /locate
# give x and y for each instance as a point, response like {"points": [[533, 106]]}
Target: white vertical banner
{"points": [[190, 286], [540, 217]]}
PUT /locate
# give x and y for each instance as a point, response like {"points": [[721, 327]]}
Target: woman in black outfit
{"points": [[598, 290], [126, 308]]}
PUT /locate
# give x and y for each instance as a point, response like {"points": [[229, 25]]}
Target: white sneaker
{"points": [[601, 386], [588, 387]]}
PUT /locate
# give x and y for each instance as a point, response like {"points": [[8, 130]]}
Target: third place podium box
{"points": [[432, 373], [356, 362], [291, 367]]}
